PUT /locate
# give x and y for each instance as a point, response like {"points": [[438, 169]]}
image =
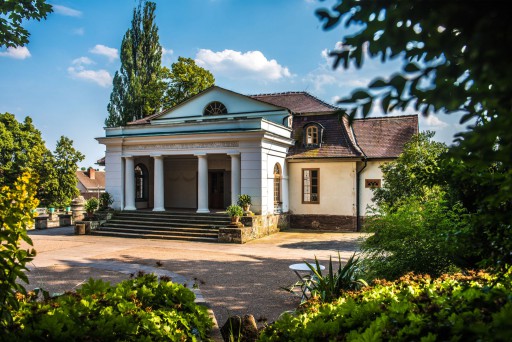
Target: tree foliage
{"points": [[21, 149], [139, 85], [413, 173], [61, 188], [454, 61], [186, 79], [16, 215], [12, 14]]}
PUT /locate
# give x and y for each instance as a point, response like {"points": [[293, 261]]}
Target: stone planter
{"points": [[79, 229], [88, 226], [41, 222], [64, 220]]}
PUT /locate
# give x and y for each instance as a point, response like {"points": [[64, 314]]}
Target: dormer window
{"points": [[215, 108], [313, 133]]}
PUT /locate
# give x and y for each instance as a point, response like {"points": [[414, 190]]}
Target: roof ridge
{"points": [[384, 117], [297, 93]]}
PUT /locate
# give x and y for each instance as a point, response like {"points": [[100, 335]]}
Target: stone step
{"points": [[165, 225], [160, 227], [139, 235]]}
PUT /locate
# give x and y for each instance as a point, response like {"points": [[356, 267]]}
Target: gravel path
{"points": [[231, 279]]}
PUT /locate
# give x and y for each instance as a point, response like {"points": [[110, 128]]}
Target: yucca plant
{"points": [[329, 286]]}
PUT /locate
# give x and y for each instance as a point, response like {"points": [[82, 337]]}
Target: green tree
{"points": [[61, 188], [186, 79], [139, 85], [455, 60], [413, 173], [12, 14], [21, 149], [17, 204]]}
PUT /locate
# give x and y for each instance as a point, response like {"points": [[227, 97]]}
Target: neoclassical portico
{"points": [[159, 187]]}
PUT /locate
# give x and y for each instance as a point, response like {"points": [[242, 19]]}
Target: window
{"points": [[277, 187], [141, 182], [310, 185], [372, 183], [215, 108], [312, 135]]}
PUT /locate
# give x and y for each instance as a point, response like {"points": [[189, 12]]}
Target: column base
{"points": [[202, 211], [159, 209], [129, 208]]}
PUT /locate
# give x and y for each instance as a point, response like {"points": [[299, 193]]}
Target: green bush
{"points": [[424, 235], [142, 308], [474, 307], [235, 211], [17, 211], [244, 200], [91, 204], [106, 200]]}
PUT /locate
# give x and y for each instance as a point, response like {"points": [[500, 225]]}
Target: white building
{"points": [[291, 152]]}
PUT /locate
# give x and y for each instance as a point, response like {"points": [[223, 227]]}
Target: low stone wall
{"points": [[324, 222], [255, 227]]}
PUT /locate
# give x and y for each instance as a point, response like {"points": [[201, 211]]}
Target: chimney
{"points": [[92, 173]]}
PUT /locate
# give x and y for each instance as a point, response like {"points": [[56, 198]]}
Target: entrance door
{"points": [[216, 189]]}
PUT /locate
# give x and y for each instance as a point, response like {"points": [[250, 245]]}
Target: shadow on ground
{"points": [[322, 245]]}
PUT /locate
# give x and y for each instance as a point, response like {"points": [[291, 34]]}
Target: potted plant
{"points": [[235, 211], [106, 200], [244, 201], [91, 205]]}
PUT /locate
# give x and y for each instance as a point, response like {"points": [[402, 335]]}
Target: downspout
{"points": [[358, 195]]}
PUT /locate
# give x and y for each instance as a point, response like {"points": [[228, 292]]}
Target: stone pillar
{"points": [[202, 183], [129, 184], [235, 177], [285, 198], [158, 188]]}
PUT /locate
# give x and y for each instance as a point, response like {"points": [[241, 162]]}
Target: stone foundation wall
{"points": [[324, 222], [255, 227]]}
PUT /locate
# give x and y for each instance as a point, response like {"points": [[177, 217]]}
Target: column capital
{"points": [[156, 156], [201, 154], [125, 156], [233, 154]]}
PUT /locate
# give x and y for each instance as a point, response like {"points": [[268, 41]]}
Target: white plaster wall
{"points": [[251, 165], [337, 188], [114, 176], [372, 171], [180, 181]]}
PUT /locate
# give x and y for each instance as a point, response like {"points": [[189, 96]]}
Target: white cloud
{"points": [[19, 52], [167, 52], [79, 31], [67, 11], [434, 121], [239, 65], [77, 70], [110, 53]]}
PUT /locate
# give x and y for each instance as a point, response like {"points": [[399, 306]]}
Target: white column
{"points": [[235, 177], [202, 183], [158, 189], [285, 189], [129, 184]]}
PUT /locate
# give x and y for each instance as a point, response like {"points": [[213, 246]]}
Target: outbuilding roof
{"points": [[297, 101], [92, 179]]}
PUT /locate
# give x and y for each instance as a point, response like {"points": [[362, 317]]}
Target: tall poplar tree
{"points": [[139, 85]]}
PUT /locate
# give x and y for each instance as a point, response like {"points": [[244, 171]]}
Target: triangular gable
{"points": [[235, 103]]}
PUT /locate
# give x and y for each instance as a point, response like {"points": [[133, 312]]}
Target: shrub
{"points": [[106, 200], [141, 308], [91, 204], [244, 200], [330, 286], [424, 235], [457, 307], [235, 210], [17, 211]]}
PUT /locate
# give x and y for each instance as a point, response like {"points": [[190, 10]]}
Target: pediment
{"points": [[234, 103]]}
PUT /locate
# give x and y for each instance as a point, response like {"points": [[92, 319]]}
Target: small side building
{"points": [[91, 183]]}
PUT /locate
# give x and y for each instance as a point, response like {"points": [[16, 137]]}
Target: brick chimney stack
{"points": [[92, 173]]}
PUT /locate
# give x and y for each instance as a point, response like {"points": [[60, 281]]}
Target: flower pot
{"points": [[51, 210], [68, 209], [246, 207], [235, 219]]}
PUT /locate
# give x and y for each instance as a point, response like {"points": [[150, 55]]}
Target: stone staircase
{"points": [[164, 225]]}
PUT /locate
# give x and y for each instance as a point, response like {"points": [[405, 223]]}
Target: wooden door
{"points": [[216, 189]]}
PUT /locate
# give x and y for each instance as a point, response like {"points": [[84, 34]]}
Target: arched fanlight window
{"points": [[277, 187], [312, 135], [141, 182], [215, 108]]}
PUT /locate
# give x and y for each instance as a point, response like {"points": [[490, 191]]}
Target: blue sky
{"points": [[63, 78]]}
